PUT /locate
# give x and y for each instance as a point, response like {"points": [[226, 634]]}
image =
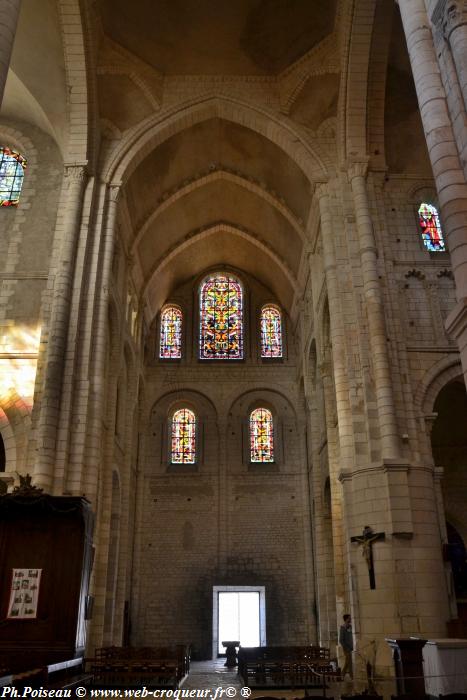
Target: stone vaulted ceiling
{"points": [[231, 37]]}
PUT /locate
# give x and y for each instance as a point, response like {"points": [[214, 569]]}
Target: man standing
{"points": [[346, 642]]}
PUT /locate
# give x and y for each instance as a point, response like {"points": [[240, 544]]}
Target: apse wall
{"points": [[224, 520]]}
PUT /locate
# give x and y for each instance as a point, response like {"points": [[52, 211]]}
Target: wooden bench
{"points": [[156, 667], [281, 666]]}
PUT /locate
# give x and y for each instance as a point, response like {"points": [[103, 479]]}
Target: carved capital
{"points": [[115, 189], [321, 189], [454, 15], [75, 173], [325, 368], [429, 419], [357, 168]]}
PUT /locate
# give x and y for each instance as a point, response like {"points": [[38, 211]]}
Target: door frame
{"points": [[215, 612]]}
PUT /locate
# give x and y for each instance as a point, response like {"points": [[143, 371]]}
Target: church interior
{"points": [[233, 326]]}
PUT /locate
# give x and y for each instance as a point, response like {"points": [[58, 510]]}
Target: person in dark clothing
{"points": [[346, 642]]}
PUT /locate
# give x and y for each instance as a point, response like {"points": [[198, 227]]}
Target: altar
{"points": [[445, 666]]}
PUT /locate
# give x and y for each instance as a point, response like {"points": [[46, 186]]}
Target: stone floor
{"points": [[213, 676], [210, 675]]}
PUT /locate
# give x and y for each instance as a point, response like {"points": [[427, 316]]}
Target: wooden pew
{"points": [[161, 667], [282, 666]]}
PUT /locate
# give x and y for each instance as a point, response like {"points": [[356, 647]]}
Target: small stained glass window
{"points": [[430, 225], [221, 318], [183, 437], [261, 436], [11, 176], [170, 343], [271, 332]]}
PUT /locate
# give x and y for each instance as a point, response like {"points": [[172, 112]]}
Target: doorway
{"points": [[239, 614]]}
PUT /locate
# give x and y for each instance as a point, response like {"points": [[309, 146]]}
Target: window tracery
{"points": [[221, 318], [183, 446], [12, 166], [170, 341], [271, 331], [261, 436], [432, 234]]}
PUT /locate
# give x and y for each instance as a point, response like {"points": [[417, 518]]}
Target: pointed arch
{"points": [[153, 131]]}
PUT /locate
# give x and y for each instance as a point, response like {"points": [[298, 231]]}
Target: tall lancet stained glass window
{"points": [[432, 234], [221, 318], [261, 436], [271, 332], [170, 342], [183, 437], [11, 176]]}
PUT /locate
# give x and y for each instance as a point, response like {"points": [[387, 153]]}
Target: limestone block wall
{"points": [[26, 241], [225, 521]]}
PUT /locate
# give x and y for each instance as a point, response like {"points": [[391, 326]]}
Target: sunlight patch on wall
{"points": [[19, 347]]}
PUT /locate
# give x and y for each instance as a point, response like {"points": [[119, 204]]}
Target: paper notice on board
{"points": [[24, 594]]}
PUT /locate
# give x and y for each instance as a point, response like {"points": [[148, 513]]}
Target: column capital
{"points": [[320, 189], [429, 419], [325, 368], [449, 15], [357, 168], [75, 172], [115, 190]]}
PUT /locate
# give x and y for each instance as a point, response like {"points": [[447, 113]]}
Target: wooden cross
{"points": [[366, 540]]}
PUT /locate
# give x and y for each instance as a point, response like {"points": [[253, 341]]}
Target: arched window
{"points": [[11, 176], [271, 332], [432, 234], [183, 449], [261, 436], [221, 318], [170, 343]]}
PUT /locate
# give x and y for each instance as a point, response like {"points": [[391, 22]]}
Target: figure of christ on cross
{"points": [[366, 540]]}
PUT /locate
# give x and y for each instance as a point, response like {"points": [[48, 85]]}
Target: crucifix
{"points": [[366, 540]]}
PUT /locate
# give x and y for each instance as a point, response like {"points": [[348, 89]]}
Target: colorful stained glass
{"points": [[11, 176], [432, 234], [261, 436], [170, 343], [271, 332], [183, 437], [221, 319]]}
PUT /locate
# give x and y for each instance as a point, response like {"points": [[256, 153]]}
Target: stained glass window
{"points": [[221, 318], [432, 234], [11, 176], [183, 437], [261, 436], [271, 332], [170, 343]]}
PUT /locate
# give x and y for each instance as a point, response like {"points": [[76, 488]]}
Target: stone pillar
{"points": [[455, 31], [9, 12], [442, 148], [75, 179], [341, 448], [390, 448], [95, 450], [344, 412]]}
